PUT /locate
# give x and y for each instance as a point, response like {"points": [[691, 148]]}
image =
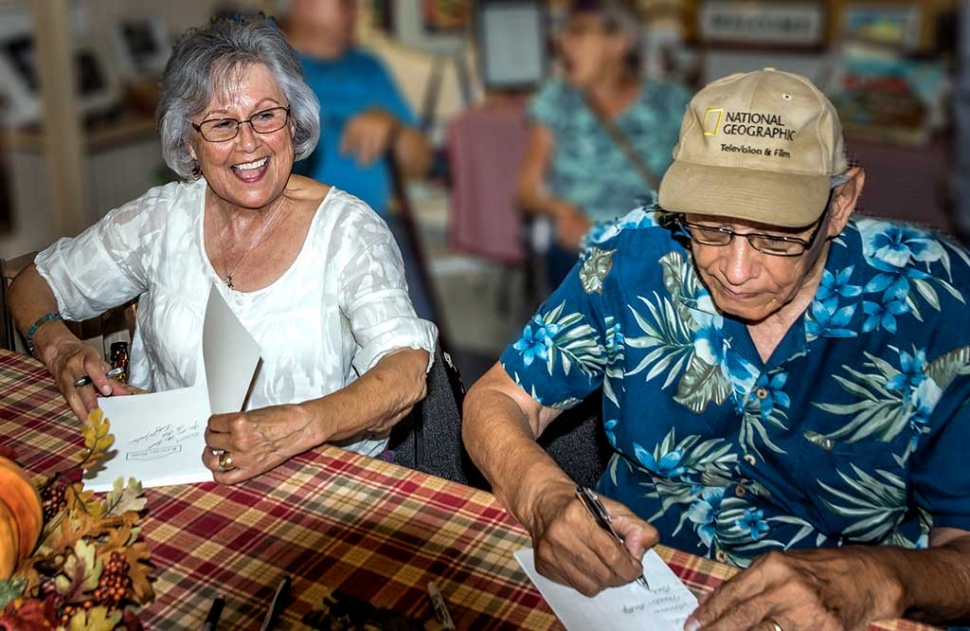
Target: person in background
{"points": [[785, 386], [575, 171], [364, 119], [311, 272]]}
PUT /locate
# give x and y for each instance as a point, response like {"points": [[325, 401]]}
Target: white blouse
{"points": [[340, 307]]}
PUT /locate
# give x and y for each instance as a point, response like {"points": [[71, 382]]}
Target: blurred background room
{"points": [[78, 85]]}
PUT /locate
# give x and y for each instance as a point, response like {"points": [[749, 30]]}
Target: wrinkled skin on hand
{"points": [[572, 549], [836, 589], [73, 359], [258, 440]]}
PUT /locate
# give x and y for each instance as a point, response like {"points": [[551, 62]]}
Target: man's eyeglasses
{"points": [[773, 244], [264, 122]]}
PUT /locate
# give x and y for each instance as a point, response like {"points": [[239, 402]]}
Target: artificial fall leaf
{"points": [[81, 501], [97, 437], [26, 615], [11, 589], [94, 619], [124, 497], [80, 573], [139, 569]]}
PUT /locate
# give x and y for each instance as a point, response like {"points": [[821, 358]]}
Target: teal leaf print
{"points": [[666, 335], [702, 384], [875, 505], [890, 399], [553, 337], [597, 263], [945, 368]]}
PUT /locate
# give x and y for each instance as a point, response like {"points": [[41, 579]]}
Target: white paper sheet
{"points": [[159, 437], [665, 607]]}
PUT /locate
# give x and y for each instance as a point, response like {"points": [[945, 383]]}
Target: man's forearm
{"points": [[502, 443], [936, 582]]}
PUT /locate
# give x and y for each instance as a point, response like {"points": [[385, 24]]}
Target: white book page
{"points": [[664, 607], [230, 355], [159, 439]]}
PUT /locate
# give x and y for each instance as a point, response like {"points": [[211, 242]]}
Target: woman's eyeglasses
{"points": [[264, 122], [773, 244]]}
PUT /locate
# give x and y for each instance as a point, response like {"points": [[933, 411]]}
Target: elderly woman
{"points": [[312, 272], [785, 386], [576, 171]]}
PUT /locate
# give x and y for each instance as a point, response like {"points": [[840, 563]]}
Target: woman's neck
{"points": [[614, 91]]}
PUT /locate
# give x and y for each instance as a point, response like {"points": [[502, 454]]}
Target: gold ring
{"points": [[225, 464], [774, 624]]}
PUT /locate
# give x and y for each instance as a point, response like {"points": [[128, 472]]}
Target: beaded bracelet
{"points": [[47, 317]]}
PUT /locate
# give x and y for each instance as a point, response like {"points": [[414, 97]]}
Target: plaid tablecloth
{"points": [[330, 519]]}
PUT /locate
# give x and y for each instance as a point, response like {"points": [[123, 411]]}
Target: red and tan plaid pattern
{"points": [[329, 519]]}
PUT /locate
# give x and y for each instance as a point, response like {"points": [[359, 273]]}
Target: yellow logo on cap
{"points": [[710, 126]]}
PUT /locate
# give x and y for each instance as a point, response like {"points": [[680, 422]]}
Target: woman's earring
{"points": [[196, 170]]}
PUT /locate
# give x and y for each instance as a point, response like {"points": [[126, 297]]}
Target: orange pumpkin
{"points": [[21, 517]]}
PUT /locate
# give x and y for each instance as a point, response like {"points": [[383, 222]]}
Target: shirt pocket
{"points": [[857, 492]]}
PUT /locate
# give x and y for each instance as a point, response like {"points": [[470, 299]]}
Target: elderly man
{"points": [[785, 386]]}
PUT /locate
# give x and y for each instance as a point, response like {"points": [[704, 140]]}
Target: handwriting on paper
{"points": [[664, 607], [162, 441]]}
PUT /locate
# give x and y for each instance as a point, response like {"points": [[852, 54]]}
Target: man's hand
{"points": [[571, 225], [570, 547], [70, 359], [368, 136], [836, 589], [258, 440]]}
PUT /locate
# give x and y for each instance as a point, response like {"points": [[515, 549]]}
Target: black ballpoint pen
{"points": [[595, 508], [212, 619]]}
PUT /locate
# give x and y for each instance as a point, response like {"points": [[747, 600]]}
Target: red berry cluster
{"points": [[53, 499], [110, 592], [114, 582], [68, 611]]}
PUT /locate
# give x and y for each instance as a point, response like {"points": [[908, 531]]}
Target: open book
{"points": [[159, 437]]}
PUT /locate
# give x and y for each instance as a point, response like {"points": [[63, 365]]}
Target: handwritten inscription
{"points": [[165, 436]]}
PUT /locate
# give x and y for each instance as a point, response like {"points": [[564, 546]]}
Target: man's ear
{"points": [[844, 200]]}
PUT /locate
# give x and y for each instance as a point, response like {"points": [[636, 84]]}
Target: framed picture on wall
{"points": [[446, 16], [512, 43], [795, 24], [898, 26]]}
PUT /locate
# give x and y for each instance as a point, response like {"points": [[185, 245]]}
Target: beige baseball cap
{"points": [[760, 146]]}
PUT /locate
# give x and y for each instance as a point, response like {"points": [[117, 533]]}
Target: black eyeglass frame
{"points": [[239, 123], [752, 236]]}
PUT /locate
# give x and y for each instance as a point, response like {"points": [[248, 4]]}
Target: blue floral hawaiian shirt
{"points": [[588, 168], [856, 430]]}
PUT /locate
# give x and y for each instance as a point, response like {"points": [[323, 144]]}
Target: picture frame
{"points": [[792, 25], [512, 43]]}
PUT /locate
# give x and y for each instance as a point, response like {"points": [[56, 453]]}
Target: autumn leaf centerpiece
{"points": [[83, 566]]}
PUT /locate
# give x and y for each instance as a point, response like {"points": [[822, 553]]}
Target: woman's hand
{"points": [[571, 225], [837, 589], [70, 359], [572, 549], [258, 440]]}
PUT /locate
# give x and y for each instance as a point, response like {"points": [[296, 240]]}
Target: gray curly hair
{"points": [[208, 59]]}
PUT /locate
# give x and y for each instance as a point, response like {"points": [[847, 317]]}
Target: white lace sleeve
{"points": [[107, 264], [374, 298]]}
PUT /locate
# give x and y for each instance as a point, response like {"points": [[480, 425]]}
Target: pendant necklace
{"points": [[262, 233]]}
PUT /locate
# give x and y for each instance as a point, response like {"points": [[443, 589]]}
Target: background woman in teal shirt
{"points": [[574, 172]]}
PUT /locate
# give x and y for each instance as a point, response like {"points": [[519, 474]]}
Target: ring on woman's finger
{"points": [[225, 464], [774, 624]]}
